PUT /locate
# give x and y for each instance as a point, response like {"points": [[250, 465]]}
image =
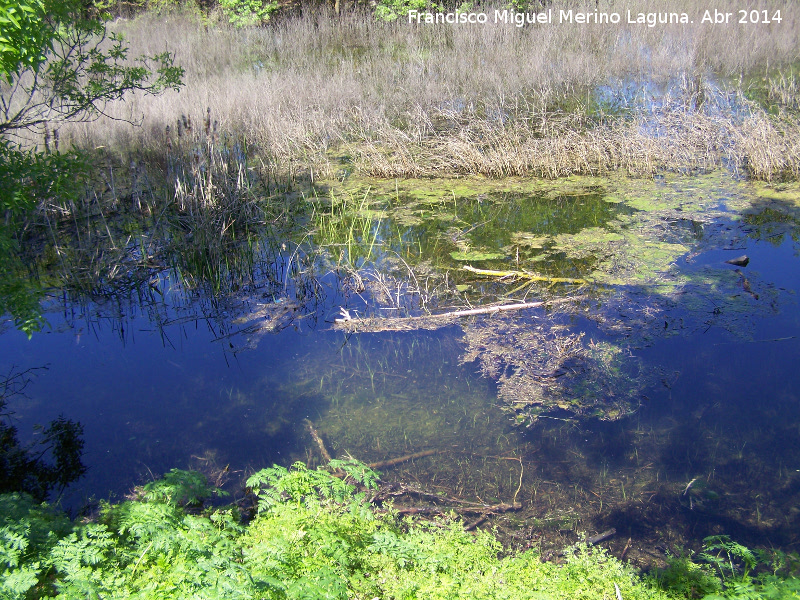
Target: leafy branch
{"points": [[85, 68]]}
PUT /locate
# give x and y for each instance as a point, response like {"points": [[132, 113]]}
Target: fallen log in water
{"points": [[372, 325]]}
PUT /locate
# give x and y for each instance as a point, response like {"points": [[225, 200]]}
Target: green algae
{"points": [[476, 255], [634, 241]]}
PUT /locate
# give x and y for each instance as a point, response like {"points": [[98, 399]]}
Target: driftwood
{"points": [[384, 464], [600, 537], [320, 444], [371, 325], [521, 275]]}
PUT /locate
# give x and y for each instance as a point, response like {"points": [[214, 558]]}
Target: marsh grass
{"points": [[311, 95]]}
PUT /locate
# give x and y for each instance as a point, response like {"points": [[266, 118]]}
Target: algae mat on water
{"points": [[630, 251]]}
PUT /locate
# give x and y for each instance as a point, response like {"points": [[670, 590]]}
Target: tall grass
{"points": [[409, 99]]}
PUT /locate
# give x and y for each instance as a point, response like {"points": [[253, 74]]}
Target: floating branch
{"points": [[351, 325], [522, 275]]}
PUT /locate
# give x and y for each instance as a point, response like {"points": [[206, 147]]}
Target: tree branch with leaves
{"points": [[61, 64], [58, 63]]}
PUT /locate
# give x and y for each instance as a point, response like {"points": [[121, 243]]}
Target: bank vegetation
{"points": [[313, 95]]}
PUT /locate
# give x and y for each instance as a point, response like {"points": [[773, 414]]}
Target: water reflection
{"points": [[216, 360]]}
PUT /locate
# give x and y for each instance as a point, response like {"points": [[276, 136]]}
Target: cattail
{"points": [[169, 139], [208, 121], [180, 127], [214, 136]]}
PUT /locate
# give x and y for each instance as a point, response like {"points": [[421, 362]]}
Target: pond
{"points": [[655, 391]]}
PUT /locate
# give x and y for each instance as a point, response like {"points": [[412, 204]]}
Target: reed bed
{"points": [[312, 94], [761, 146]]}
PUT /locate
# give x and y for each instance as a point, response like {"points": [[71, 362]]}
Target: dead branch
{"points": [[625, 549], [521, 275], [320, 444], [383, 464], [351, 325]]}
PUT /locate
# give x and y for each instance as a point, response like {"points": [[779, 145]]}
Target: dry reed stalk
{"points": [[405, 94]]}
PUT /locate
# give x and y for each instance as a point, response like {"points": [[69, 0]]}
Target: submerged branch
{"points": [[320, 444], [383, 464], [600, 537], [485, 509]]}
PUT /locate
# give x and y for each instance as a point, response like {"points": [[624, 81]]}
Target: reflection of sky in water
{"points": [[648, 99], [155, 397]]}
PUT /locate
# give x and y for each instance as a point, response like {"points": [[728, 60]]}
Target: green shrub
{"points": [[243, 13], [390, 10], [315, 536]]}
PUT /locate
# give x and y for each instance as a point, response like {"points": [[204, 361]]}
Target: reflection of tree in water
{"points": [[51, 463]]}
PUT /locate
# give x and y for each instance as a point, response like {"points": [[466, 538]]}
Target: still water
{"points": [[671, 367]]}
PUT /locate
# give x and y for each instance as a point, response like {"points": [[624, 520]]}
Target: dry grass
{"points": [[409, 100], [762, 146]]}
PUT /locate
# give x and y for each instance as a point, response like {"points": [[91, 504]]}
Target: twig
{"points": [[383, 464]]}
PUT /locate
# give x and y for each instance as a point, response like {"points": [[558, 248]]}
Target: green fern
{"points": [[302, 485], [318, 538], [180, 488], [721, 552]]}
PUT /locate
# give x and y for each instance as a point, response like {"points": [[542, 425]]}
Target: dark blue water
{"points": [[172, 384]]}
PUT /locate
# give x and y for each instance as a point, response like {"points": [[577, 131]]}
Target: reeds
{"points": [[309, 94]]}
